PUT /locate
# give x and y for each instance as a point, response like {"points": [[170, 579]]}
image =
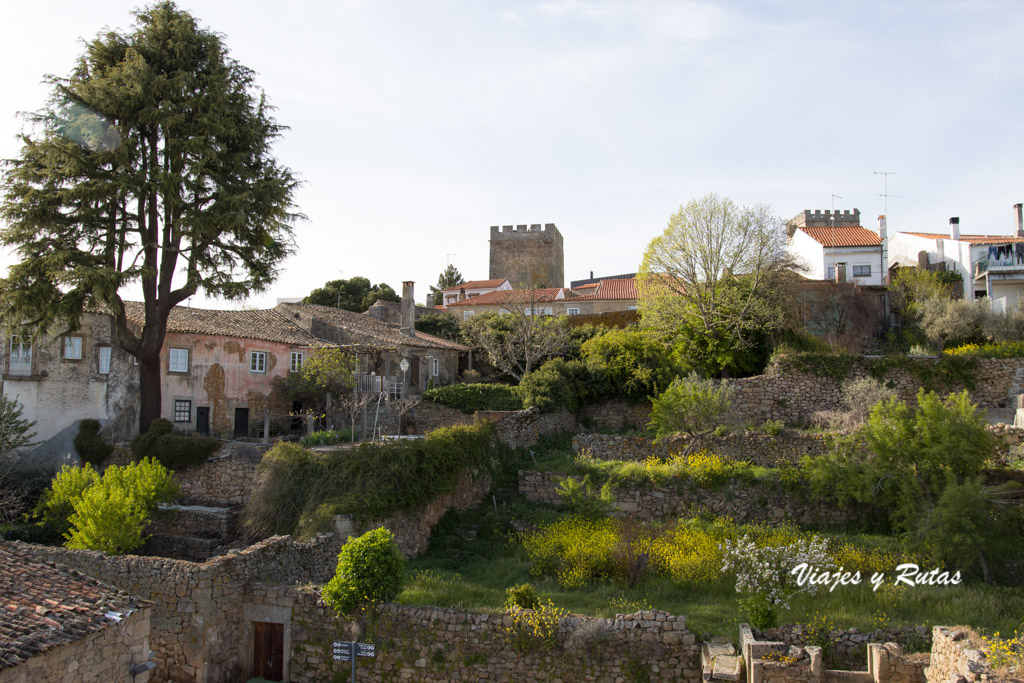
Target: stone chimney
{"points": [[954, 228], [1018, 210], [840, 272], [408, 324], [882, 232]]}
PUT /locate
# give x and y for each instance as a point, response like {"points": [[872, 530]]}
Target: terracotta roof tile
{"points": [[360, 329], [522, 296], [843, 236], [971, 239], [478, 284], [45, 605], [267, 324], [613, 289]]}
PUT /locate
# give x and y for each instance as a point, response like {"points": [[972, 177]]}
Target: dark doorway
{"points": [[297, 416], [241, 423], [414, 371], [268, 650], [203, 421]]}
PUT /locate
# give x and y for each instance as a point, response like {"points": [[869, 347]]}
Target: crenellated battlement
{"points": [[521, 230], [825, 218], [528, 255]]}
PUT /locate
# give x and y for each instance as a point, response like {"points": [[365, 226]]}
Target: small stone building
{"points": [[59, 625]]}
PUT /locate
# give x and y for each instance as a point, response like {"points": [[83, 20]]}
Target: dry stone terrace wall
{"points": [[850, 644], [441, 645], [793, 395], [755, 447], [956, 658], [762, 501], [196, 617], [223, 480], [521, 429], [101, 656]]}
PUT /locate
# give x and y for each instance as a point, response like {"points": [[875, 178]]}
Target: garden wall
{"points": [[522, 428], [957, 657], [224, 480], [762, 501], [755, 447], [850, 644], [441, 645]]}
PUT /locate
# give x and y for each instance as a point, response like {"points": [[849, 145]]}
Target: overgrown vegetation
{"points": [[370, 571], [472, 397], [89, 445], [299, 491], [107, 512], [693, 406], [174, 451], [326, 437]]}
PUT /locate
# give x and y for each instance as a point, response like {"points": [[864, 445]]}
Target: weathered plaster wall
{"points": [[101, 656]]}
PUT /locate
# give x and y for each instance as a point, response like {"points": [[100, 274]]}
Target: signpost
{"points": [[347, 651]]}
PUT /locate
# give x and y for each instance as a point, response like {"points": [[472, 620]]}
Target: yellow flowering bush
{"points": [[1005, 653], [535, 628]]}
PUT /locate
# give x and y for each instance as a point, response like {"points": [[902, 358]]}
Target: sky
{"points": [[415, 126]]}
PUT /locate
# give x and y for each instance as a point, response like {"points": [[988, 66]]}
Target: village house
{"points": [[473, 288], [604, 296], [59, 625], [829, 245], [992, 266]]}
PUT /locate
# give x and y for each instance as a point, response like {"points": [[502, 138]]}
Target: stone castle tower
{"points": [[528, 256]]}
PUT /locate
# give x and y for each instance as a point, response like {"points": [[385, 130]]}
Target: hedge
{"points": [[472, 397], [174, 451]]}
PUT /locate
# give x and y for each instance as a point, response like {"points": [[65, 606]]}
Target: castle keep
{"points": [[529, 256]]}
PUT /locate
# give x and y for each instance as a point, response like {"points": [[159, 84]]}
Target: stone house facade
{"points": [[605, 296], [473, 289]]}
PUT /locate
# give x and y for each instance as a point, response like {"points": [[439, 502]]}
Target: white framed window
{"points": [[103, 362], [630, 308], [182, 410], [466, 315], [257, 361], [177, 360], [528, 311], [20, 357], [831, 274], [572, 311], [72, 348], [435, 367], [502, 311], [546, 311], [296, 361], [862, 271]]}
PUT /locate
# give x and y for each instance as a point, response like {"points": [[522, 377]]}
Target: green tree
{"points": [[630, 362], [15, 431], [710, 276], [449, 277], [150, 164], [691, 405], [355, 294], [519, 340], [370, 569], [331, 372]]}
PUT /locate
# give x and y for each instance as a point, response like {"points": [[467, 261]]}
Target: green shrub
{"points": [[91, 448], [142, 445], [326, 437], [523, 596], [630, 363], [472, 397], [370, 570], [584, 499], [177, 451], [107, 512], [773, 427], [558, 384], [298, 490], [691, 405], [1006, 349]]}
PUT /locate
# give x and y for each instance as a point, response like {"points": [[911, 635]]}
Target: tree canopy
{"points": [[150, 164], [355, 294], [449, 277]]}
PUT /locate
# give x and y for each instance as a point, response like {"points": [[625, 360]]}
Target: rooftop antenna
{"points": [[450, 258], [833, 216], [885, 192]]}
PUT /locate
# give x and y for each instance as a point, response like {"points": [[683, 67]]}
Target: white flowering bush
{"points": [[764, 573]]}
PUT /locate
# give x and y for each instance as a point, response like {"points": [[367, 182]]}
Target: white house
{"points": [[474, 288], [832, 245], [992, 266]]}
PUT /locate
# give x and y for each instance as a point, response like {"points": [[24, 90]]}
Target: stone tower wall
{"points": [[529, 256]]}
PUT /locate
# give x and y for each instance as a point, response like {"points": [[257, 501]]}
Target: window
{"points": [[572, 311], [630, 308], [831, 273], [296, 364], [862, 271], [177, 360], [502, 311], [547, 310], [20, 361], [466, 315], [73, 348], [182, 411], [435, 367], [257, 361], [104, 360]]}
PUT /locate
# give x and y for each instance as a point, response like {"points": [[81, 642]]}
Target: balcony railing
{"points": [[375, 384]]}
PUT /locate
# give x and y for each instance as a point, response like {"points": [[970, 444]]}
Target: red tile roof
{"points": [[617, 289], [522, 296], [267, 325], [44, 605], [360, 329], [843, 236], [971, 239], [478, 284]]}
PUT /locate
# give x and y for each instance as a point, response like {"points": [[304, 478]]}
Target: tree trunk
{"points": [[149, 391]]}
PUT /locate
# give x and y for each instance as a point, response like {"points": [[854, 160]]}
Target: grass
{"points": [[473, 575]]}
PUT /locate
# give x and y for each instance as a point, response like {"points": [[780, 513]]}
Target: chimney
{"points": [[882, 232], [408, 324], [840, 272], [954, 228], [1019, 210]]}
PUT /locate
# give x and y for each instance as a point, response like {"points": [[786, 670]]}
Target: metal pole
{"points": [[352, 651]]}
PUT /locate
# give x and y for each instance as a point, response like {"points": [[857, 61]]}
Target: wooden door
{"points": [[203, 421], [268, 650], [241, 423], [414, 371]]}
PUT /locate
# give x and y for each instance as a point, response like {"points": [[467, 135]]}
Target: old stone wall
{"points": [[755, 447], [196, 615], [529, 256], [958, 656], [763, 501], [428, 416], [850, 644], [521, 429], [224, 480], [793, 395], [616, 415], [441, 645], [103, 655], [195, 520]]}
